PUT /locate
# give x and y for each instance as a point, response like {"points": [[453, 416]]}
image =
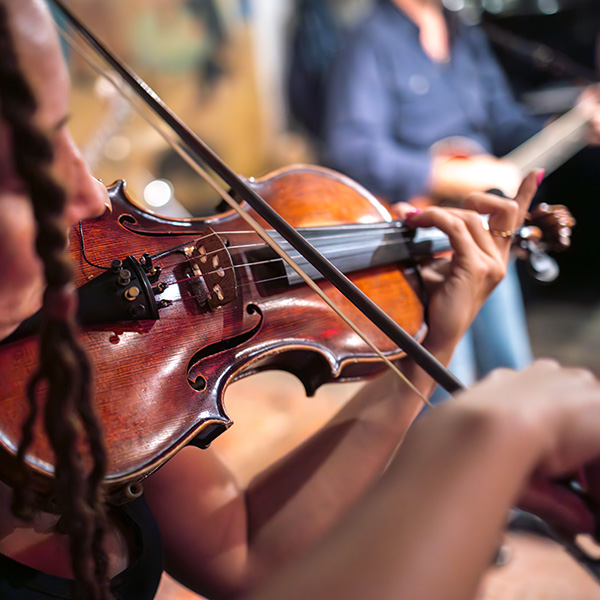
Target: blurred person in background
{"points": [[418, 106]]}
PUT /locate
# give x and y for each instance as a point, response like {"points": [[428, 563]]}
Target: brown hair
{"points": [[63, 375]]}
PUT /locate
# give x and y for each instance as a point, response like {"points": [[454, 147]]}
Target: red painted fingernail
{"points": [[541, 177], [413, 213]]}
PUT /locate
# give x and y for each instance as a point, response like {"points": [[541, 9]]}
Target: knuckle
{"points": [[546, 363], [472, 218], [511, 208], [583, 374], [492, 278], [498, 272], [485, 280], [437, 212], [500, 373], [460, 225]]}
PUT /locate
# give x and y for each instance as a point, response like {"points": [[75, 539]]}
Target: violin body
{"points": [[223, 312]]}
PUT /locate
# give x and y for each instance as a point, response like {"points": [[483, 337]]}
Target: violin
{"points": [[173, 311]]}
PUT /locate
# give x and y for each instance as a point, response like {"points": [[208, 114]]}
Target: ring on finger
{"points": [[507, 233]]}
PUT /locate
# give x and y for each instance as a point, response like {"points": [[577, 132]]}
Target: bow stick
{"points": [[373, 312]]}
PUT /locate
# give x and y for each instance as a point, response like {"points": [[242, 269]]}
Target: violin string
{"points": [[340, 235], [238, 285], [337, 231], [346, 251], [349, 252], [185, 244], [358, 247], [276, 260], [247, 218], [331, 253], [236, 266]]}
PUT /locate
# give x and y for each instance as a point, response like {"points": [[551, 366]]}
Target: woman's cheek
{"points": [[22, 281]]}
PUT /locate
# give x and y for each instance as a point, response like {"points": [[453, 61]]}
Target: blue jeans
{"points": [[498, 336]]}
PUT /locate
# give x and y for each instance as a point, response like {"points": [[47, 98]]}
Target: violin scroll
{"points": [[547, 228], [555, 222]]}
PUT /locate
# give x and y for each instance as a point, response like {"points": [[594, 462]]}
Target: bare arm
{"points": [[430, 527], [221, 540]]}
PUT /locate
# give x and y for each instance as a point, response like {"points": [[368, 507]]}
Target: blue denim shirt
{"points": [[388, 103]]}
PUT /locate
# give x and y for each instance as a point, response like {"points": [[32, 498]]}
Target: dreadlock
{"points": [[63, 377]]}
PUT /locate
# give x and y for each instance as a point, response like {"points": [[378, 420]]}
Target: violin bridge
{"points": [[211, 268]]}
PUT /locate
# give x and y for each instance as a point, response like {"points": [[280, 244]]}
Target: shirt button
{"points": [[419, 84]]}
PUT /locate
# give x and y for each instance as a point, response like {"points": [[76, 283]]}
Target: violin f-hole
{"points": [[198, 380], [198, 384]]}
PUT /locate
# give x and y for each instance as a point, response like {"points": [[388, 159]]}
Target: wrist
{"points": [[442, 351]]}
